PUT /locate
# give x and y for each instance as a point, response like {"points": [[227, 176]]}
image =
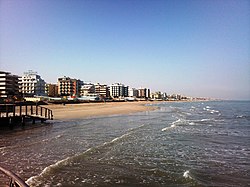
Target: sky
{"points": [[196, 48]]}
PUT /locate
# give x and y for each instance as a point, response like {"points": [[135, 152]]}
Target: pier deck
{"points": [[11, 114]]}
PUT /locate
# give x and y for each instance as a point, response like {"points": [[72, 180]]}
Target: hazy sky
{"points": [[195, 48]]}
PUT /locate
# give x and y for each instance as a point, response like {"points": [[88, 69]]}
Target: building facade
{"points": [[118, 90], [102, 90], [51, 90], [144, 93], [87, 89], [69, 87], [9, 86], [32, 84], [132, 92]]}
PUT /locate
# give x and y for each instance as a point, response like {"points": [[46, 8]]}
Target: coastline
{"points": [[86, 110]]}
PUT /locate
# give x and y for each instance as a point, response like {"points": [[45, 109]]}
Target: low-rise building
{"points": [[9, 86], [102, 90], [87, 89], [156, 95]]}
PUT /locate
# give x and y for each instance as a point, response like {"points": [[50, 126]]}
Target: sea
{"points": [[178, 144]]}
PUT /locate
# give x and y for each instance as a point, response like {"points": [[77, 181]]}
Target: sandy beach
{"points": [[84, 110]]}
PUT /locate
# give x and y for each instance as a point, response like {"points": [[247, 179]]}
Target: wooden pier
{"points": [[12, 114]]}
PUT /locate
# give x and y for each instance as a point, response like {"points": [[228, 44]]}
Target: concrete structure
{"points": [[132, 92], [102, 90], [156, 95], [118, 90], [9, 85], [51, 90], [87, 89], [144, 93], [69, 87], [32, 84]]}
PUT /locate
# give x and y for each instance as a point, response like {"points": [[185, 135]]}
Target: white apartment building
{"points": [[32, 84], [132, 92], [9, 86], [118, 90]]}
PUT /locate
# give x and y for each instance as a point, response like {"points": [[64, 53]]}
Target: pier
{"points": [[13, 114]]}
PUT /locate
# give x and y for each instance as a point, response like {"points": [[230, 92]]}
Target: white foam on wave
{"points": [[187, 174], [34, 180], [173, 124]]}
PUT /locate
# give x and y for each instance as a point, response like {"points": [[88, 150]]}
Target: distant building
{"points": [[87, 89], [132, 92], [69, 87], [144, 93], [156, 95], [51, 90], [118, 90], [32, 84], [102, 90], [9, 85]]}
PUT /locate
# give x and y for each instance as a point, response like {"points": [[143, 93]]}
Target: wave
{"points": [[37, 179], [173, 124], [187, 174]]}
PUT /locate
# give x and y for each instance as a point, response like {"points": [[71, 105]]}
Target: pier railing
{"points": [[15, 181], [12, 110], [15, 113]]}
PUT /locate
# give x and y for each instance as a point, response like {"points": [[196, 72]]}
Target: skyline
{"points": [[195, 48]]}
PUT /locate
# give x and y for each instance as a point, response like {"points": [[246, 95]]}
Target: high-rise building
{"points": [[118, 90], [132, 92], [32, 84], [51, 90], [69, 87], [102, 90], [144, 93], [9, 85]]}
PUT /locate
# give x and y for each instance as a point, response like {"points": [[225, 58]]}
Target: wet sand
{"points": [[84, 110]]}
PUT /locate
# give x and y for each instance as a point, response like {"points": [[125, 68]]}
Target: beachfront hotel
{"points": [[102, 90], [87, 89], [69, 87], [9, 85], [132, 92], [143, 93], [51, 90], [31, 84], [118, 90]]}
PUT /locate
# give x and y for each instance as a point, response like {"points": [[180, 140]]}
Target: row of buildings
{"points": [[31, 84]]}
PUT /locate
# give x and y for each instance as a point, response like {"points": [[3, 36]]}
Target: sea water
{"points": [[179, 144]]}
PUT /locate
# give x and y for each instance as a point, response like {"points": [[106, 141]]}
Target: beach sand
{"points": [[84, 110]]}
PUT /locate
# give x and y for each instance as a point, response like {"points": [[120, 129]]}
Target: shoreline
{"points": [[86, 110]]}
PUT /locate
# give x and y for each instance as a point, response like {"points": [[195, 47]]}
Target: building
{"points": [[156, 95], [51, 90], [32, 84], [144, 93], [9, 86], [69, 87], [118, 90], [87, 89], [132, 92], [102, 90]]}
